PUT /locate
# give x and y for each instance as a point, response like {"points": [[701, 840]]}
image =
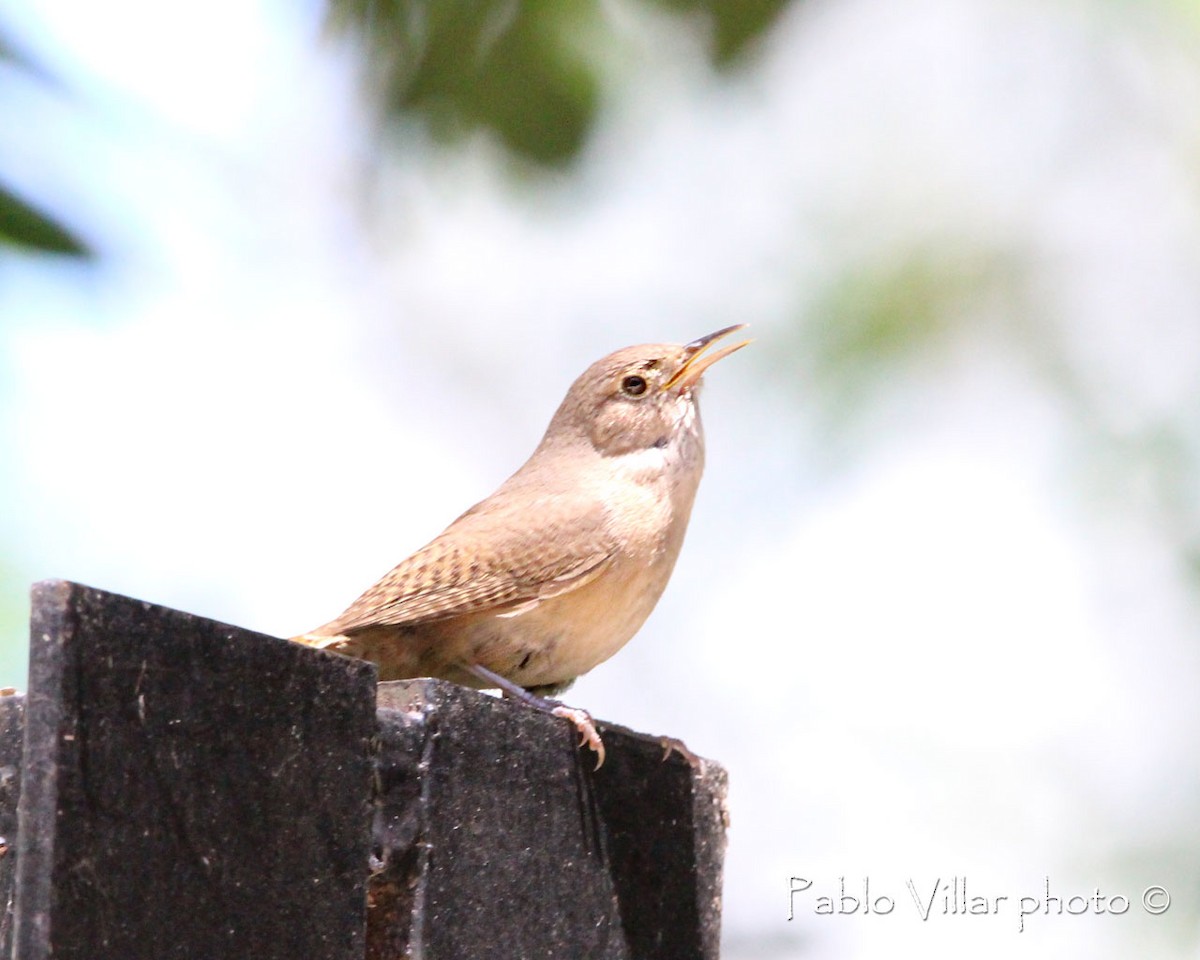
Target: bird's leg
{"points": [[581, 718]]}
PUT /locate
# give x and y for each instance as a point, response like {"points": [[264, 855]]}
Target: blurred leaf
{"points": [[873, 315], [515, 68], [878, 316], [734, 23], [20, 224], [519, 68]]}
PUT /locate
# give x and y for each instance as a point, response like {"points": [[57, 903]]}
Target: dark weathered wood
{"points": [[499, 839], [190, 789], [12, 715]]}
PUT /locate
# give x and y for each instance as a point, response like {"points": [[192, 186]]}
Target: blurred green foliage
{"points": [[521, 69], [733, 24], [877, 314], [20, 223]]}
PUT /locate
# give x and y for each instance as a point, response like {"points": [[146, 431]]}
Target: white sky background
{"points": [[938, 654]]}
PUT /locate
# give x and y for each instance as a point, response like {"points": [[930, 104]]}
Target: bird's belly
{"points": [[565, 636]]}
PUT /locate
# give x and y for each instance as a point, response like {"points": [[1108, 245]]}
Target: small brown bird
{"points": [[555, 571]]}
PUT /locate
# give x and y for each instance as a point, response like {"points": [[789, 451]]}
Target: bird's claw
{"points": [[672, 745], [587, 730]]}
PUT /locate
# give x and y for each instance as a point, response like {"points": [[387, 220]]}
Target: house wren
{"points": [[558, 568]]}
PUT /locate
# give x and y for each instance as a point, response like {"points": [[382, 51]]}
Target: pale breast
{"points": [[566, 636]]}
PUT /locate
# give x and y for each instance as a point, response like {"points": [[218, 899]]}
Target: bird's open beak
{"points": [[694, 364]]}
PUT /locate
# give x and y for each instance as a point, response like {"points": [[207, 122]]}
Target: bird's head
{"points": [[639, 397]]}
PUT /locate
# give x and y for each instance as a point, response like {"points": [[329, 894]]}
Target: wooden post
{"points": [[190, 789]]}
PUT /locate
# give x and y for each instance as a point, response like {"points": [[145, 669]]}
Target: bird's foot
{"points": [[587, 729], [581, 718], [672, 745]]}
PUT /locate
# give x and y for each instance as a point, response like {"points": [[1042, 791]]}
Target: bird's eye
{"points": [[633, 385]]}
